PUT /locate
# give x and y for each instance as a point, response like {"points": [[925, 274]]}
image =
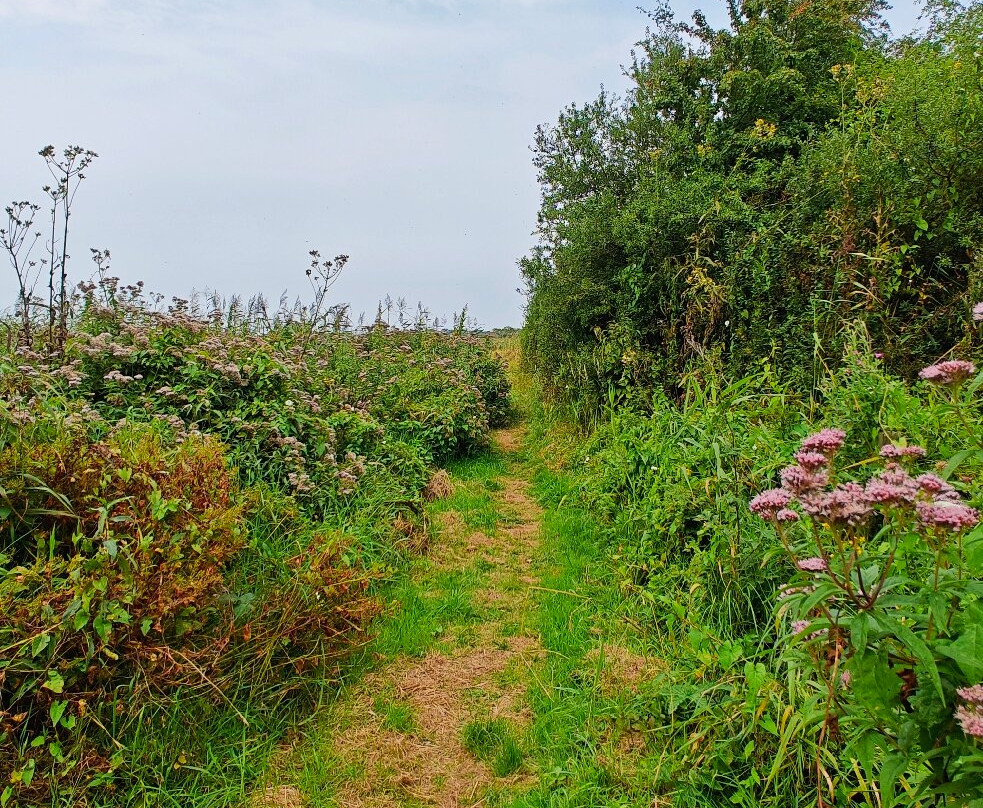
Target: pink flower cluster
{"points": [[828, 442], [970, 713], [948, 373], [937, 503], [892, 452]]}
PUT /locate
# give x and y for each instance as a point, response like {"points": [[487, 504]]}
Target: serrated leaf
{"points": [[967, 652], [921, 653]]}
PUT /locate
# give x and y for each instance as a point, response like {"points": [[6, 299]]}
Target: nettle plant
{"points": [[885, 617]]}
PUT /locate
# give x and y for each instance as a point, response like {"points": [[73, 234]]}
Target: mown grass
{"points": [[429, 607]]}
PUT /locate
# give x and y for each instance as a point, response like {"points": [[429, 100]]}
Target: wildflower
{"points": [[827, 442], [973, 695], [970, 714], [845, 679], [846, 504], [892, 452], [769, 502], [892, 487], [786, 515], [799, 480], [811, 461], [798, 626], [950, 372], [117, 376], [953, 516], [792, 589], [814, 564], [978, 312], [936, 487]]}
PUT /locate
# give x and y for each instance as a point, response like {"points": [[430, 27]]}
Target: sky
{"points": [[236, 135]]}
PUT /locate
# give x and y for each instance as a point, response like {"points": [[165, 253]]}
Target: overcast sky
{"points": [[236, 135]]}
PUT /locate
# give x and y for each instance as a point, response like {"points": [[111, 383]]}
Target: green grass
{"points": [[423, 611], [495, 742]]}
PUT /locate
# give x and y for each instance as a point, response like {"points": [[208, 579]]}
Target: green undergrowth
{"points": [[649, 546], [199, 519]]}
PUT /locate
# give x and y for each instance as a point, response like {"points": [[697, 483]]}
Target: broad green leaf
{"points": [[967, 652], [921, 653], [55, 683], [56, 711]]}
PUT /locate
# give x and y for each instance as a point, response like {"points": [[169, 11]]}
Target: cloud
{"points": [[53, 11]]}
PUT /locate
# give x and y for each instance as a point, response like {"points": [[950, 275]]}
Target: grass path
{"points": [[439, 717], [499, 677]]}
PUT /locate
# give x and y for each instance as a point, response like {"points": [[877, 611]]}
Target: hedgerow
{"points": [[758, 189], [200, 512]]}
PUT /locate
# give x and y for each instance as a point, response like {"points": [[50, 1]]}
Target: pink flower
{"points": [[794, 589], [936, 487], [950, 372], [827, 442], [767, 503], [952, 516], [798, 626], [892, 487], [846, 504], [786, 515], [811, 461], [974, 694], [970, 718], [892, 452], [799, 480], [814, 564], [978, 312], [845, 679], [970, 714]]}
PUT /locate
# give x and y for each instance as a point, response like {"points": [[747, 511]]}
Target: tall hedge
{"points": [[758, 188]]}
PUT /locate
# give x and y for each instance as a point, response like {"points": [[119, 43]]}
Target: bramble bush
{"points": [[194, 508]]}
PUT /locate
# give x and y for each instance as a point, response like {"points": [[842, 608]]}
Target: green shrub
{"points": [[200, 514]]}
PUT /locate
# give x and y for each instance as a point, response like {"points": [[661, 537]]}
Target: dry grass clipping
{"points": [[439, 486]]}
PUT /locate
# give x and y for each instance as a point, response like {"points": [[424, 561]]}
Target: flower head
{"points": [[974, 694], [770, 502], [952, 516], [950, 372], [799, 480], [827, 442], [811, 461], [892, 452], [970, 713], [978, 312], [935, 487], [814, 564], [892, 487], [846, 504]]}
